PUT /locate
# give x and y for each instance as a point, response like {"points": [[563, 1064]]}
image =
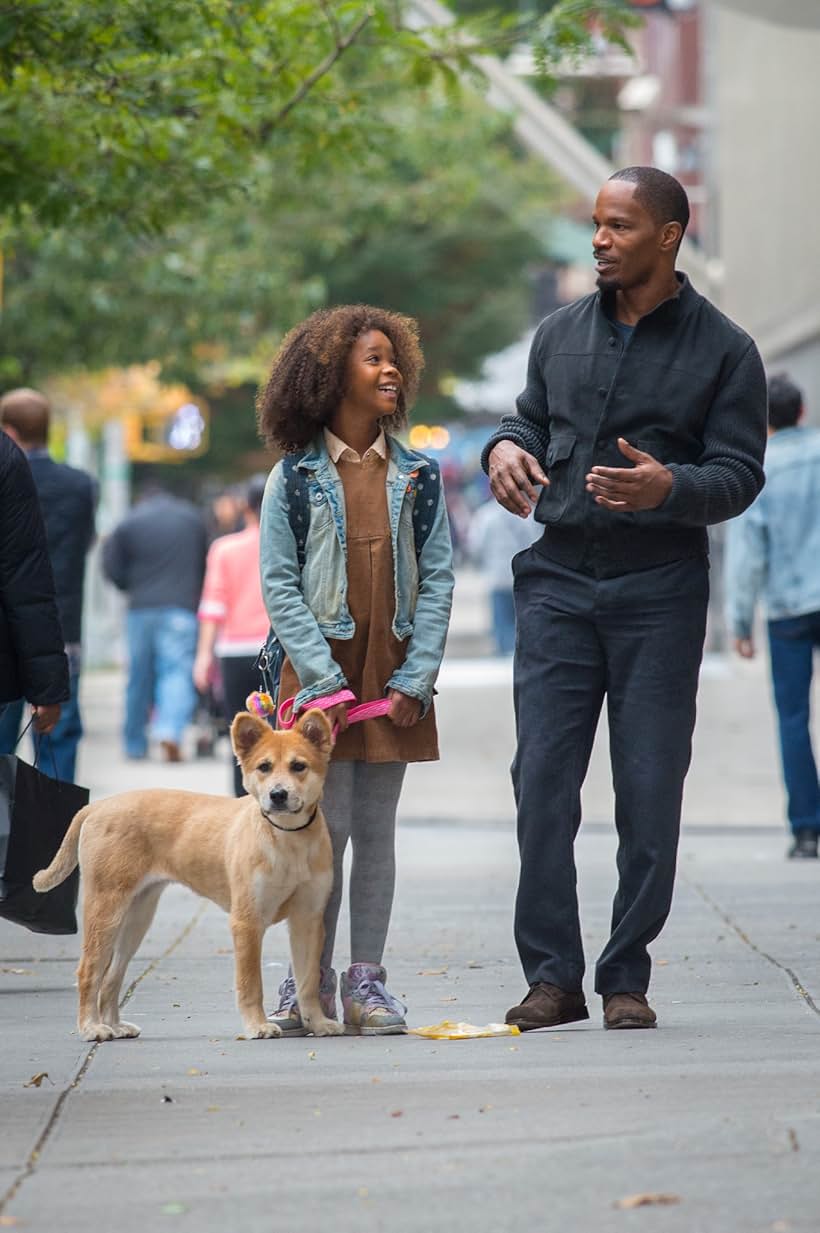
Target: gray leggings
{"points": [[359, 804]]}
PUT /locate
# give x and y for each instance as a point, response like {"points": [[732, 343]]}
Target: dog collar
{"points": [[290, 830]]}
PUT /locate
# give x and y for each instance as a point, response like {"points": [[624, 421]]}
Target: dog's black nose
{"points": [[278, 797]]}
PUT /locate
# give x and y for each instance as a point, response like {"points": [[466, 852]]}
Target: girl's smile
{"points": [[373, 380]]}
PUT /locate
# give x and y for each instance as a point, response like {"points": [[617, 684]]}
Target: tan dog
{"points": [[262, 858]]}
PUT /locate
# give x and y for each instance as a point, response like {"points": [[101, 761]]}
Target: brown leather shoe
{"points": [[171, 752], [628, 1010], [546, 1006]]}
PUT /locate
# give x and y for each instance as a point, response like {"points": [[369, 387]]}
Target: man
{"points": [[775, 548], [157, 556], [644, 420], [32, 661], [67, 499]]}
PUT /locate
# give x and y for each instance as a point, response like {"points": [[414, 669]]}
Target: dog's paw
{"points": [[97, 1031], [325, 1027], [265, 1031], [126, 1031]]}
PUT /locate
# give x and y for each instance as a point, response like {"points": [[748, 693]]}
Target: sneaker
{"points": [[804, 847], [171, 751], [628, 1010], [287, 1017], [369, 1010], [546, 1006]]}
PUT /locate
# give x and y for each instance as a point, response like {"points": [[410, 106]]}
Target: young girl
{"points": [[365, 606]]}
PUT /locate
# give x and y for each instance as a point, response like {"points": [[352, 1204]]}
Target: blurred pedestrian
{"points": [[157, 557], [233, 622], [494, 537], [33, 663], [68, 498], [644, 419], [357, 579], [774, 551]]}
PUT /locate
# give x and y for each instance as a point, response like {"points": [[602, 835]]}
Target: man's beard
{"points": [[608, 282]]}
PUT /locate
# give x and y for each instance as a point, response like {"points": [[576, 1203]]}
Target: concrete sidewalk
{"points": [[189, 1128]]}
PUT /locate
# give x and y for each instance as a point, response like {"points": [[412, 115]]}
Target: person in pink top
{"points": [[233, 622]]}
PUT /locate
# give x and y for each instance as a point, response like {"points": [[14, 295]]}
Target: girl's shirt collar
{"points": [[338, 449]]}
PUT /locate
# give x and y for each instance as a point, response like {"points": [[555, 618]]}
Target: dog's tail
{"points": [[65, 862]]}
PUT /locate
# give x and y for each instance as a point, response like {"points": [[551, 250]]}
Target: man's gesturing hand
{"points": [[644, 486], [513, 476]]}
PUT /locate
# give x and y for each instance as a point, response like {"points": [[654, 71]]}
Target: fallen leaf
{"points": [[661, 963], [16, 972], [37, 1079], [192, 1070], [433, 972], [647, 1200], [312, 1054], [453, 1117], [473, 964], [213, 1109], [397, 1113], [175, 1004], [173, 1209], [450, 999]]}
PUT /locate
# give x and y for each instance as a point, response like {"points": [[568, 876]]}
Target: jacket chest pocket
{"points": [[555, 498]]}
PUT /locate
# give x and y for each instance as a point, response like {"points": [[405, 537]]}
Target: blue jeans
{"points": [[636, 640], [503, 610], [161, 649], [55, 754], [792, 642]]}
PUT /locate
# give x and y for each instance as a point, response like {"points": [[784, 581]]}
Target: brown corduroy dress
{"points": [[370, 657]]}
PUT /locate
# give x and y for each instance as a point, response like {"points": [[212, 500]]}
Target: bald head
{"points": [[25, 415]]}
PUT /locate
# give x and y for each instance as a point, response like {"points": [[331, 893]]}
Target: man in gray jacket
{"points": [[157, 556], [774, 549], [643, 420]]}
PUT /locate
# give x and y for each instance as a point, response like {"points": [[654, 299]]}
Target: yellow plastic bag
{"points": [[448, 1029]]}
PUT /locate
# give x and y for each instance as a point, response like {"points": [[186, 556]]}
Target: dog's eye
{"points": [[296, 767], [265, 767]]}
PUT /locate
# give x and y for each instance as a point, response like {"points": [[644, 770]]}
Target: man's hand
{"points": [[745, 648], [404, 711], [513, 476], [45, 718], [644, 486]]}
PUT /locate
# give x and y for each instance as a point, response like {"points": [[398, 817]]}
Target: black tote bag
{"points": [[35, 812]]}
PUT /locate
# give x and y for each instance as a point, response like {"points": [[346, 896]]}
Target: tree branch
{"points": [[342, 44]]}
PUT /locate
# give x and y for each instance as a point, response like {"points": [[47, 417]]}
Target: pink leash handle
{"points": [[356, 714]]}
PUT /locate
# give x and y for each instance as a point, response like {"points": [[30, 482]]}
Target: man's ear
{"points": [[246, 731], [315, 727]]}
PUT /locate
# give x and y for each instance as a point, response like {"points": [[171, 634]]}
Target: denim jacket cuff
{"points": [[320, 689]]}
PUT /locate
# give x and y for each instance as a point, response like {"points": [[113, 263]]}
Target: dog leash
{"points": [[263, 705]]}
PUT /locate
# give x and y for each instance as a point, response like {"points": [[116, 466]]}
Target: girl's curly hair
{"points": [[307, 381]]}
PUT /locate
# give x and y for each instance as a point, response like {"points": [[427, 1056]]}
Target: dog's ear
{"points": [[246, 731], [315, 727]]}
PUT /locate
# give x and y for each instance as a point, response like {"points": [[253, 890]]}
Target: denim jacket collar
{"points": [[405, 460]]}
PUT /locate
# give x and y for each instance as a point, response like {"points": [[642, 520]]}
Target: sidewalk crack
{"points": [[36, 1152], [744, 937]]}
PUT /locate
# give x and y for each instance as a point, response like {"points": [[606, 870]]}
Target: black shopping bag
{"points": [[35, 812]]}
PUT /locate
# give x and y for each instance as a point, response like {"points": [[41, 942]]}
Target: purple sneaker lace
{"points": [[374, 996], [287, 996]]}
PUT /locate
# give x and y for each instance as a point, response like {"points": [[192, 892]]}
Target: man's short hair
{"points": [[28, 413], [254, 493], [661, 195], [785, 401]]}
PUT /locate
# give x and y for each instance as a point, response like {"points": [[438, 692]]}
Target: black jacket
{"points": [[689, 389], [157, 554], [67, 499], [32, 662]]}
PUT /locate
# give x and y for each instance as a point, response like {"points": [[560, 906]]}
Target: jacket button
{"points": [[602, 391], [612, 342]]}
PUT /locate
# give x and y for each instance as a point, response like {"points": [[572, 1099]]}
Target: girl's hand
{"points": [[404, 711], [338, 715], [202, 672]]}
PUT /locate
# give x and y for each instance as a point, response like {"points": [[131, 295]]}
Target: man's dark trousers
{"points": [[638, 640]]}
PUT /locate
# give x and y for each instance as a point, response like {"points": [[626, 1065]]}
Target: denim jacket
{"points": [[309, 606], [774, 547]]}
